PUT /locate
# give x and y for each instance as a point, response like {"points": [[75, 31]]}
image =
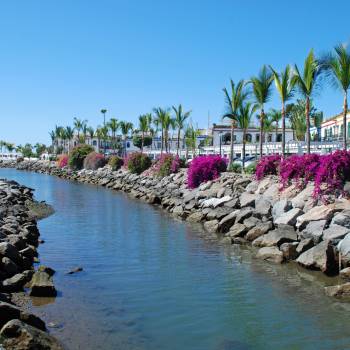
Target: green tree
{"points": [[338, 65], [79, 126], [191, 139], [69, 135], [144, 124], [244, 119], [234, 100], [179, 122], [40, 148], [262, 94], [125, 128], [164, 120], [91, 133], [275, 116], [307, 84], [285, 86], [104, 111], [113, 125]]}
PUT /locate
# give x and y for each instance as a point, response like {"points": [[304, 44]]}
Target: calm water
{"points": [[151, 282]]}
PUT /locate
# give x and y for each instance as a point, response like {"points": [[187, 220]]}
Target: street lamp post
{"points": [[104, 111]]}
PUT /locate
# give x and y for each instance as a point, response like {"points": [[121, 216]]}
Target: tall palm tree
{"points": [[125, 128], [233, 103], [52, 136], [104, 133], [163, 119], [99, 136], [191, 139], [143, 127], [244, 118], [104, 111], [63, 137], [69, 132], [179, 121], [262, 93], [307, 84], [275, 116], [79, 125], [338, 65], [113, 125], [91, 133], [285, 85]]}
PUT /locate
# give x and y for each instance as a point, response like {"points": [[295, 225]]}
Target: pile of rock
{"points": [[19, 238], [283, 225]]}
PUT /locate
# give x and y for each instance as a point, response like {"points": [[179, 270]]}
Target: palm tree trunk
{"points": [[243, 150], [232, 140], [162, 141], [345, 112], [284, 130], [307, 115], [262, 114], [178, 142], [142, 140]]}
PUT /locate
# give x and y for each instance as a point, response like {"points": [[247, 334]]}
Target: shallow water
{"points": [[152, 282]]}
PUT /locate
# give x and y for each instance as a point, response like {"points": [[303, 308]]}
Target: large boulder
{"points": [[289, 218], [20, 336], [215, 202], [342, 218], [211, 226], [197, 216], [237, 230], [344, 250], [320, 257], [301, 198], [243, 214], [334, 232], [289, 250], [314, 230], [341, 291], [227, 221], [320, 212], [272, 254], [9, 251], [280, 207], [262, 207], [42, 285], [247, 199], [259, 230], [276, 237]]}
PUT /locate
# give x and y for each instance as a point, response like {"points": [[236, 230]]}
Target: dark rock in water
{"points": [[42, 285], [18, 335], [46, 269], [75, 270], [39, 210], [15, 283]]}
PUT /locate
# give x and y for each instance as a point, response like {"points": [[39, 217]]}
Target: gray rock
{"points": [[251, 222], [314, 230], [272, 254], [320, 212], [9, 251], [259, 230], [247, 199], [320, 257], [8, 266], [243, 214], [289, 218], [262, 207], [14, 283], [289, 250], [341, 291], [237, 230], [344, 250], [233, 203], [276, 237], [215, 202], [345, 274], [304, 245], [335, 232], [42, 285], [18, 335], [280, 207], [342, 219], [195, 217], [301, 198], [226, 222], [211, 226]]}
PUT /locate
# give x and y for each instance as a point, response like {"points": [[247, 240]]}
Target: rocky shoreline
{"points": [[19, 239], [282, 226]]}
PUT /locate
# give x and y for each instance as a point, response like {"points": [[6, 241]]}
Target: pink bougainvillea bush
{"points": [[165, 165], [332, 173], [137, 162], [205, 168], [268, 165], [299, 169], [62, 160], [94, 161]]}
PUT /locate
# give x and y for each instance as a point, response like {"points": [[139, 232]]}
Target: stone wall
{"points": [[283, 226]]}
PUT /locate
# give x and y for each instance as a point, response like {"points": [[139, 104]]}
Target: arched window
{"points": [[248, 137], [94, 143]]}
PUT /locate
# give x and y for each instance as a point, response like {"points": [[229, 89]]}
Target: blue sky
{"points": [[69, 58]]}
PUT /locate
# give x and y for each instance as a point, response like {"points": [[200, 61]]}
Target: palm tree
{"points": [[52, 136], [125, 128], [91, 133], [285, 85], [338, 65], [275, 116], [307, 83], [99, 136], [143, 127], [63, 137], [267, 127], [113, 125], [317, 119], [84, 131], [79, 125], [191, 139], [244, 118], [104, 133], [179, 121], [69, 134], [163, 119], [262, 93], [104, 111], [10, 146], [233, 103]]}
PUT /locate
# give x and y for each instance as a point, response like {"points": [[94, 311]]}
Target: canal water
{"points": [[152, 282]]}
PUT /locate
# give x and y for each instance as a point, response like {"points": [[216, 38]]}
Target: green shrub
{"points": [[115, 162], [137, 141], [94, 161], [250, 169], [138, 162], [77, 156], [235, 168]]}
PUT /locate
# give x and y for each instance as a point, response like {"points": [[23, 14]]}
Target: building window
{"points": [[279, 138], [128, 145], [94, 143], [257, 138], [226, 138], [248, 137], [269, 138]]}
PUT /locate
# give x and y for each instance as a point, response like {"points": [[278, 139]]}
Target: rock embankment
{"points": [[283, 226], [19, 239]]}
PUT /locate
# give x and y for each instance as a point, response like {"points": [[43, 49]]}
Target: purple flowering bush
{"points": [[205, 168], [94, 161], [333, 171], [165, 165], [299, 169], [268, 165]]}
